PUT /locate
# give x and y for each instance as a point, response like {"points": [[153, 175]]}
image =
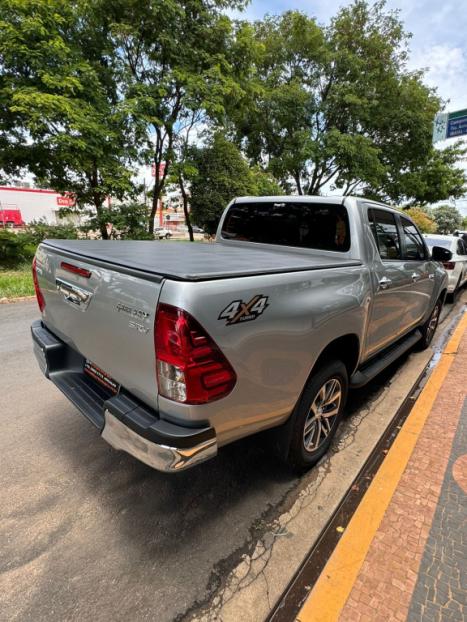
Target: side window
{"points": [[461, 248], [414, 247], [383, 225]]}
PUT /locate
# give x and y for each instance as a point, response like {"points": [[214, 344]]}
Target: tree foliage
{"points": [[422, 219], [337, 107], [447, 218], [129, 221], [220, 173], [91, 90], [173, 61], [63, 118]]}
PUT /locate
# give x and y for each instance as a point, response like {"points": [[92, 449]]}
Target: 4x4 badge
{"points": [[239, 311]]}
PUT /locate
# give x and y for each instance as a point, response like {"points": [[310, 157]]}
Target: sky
{"points": [[439, 41]]}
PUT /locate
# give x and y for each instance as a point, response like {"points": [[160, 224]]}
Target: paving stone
{"points": [[445, 556], [419, 553]]}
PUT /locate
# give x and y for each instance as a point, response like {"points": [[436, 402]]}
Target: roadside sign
{"points": [[161, 169], [457, 124], [65, 201], [450, 125]]}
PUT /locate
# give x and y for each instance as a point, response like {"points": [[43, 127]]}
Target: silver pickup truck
{"points": [[174, 349]]}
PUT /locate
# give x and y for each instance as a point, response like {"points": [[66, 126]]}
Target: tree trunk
{"points": [[102, 225], [298, 183], [185, 208], [155, 201]]}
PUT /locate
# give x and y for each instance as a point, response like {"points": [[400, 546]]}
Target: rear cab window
{"points": [[320, 226]]}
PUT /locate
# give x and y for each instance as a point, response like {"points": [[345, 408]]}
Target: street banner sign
{"points": [[450, 125]]}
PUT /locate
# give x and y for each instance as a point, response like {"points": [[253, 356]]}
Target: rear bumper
{"points": [[453, 280], [124, 422]]}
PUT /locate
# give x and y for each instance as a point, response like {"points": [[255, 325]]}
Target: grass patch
{"points": [[16, 282]]}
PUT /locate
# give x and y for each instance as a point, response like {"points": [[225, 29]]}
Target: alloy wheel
{"points": [[323, 412]]}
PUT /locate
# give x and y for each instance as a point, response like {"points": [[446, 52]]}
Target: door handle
{"points": [[384, 283], [416, 276]]}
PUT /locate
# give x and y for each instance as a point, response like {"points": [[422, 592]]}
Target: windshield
{"points": [[430, 242], [322, 226]]}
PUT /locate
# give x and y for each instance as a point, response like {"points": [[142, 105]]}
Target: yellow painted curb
{"points": [[335, 583]]}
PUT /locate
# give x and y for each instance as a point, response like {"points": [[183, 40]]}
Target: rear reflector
{"points": [[39, 295], [69, 267], [190, 366], [449, 265]]}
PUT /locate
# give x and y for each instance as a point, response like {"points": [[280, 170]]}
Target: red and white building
{"points": [[34, 203]]}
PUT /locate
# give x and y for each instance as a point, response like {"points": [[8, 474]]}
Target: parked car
{"points": [[456, 267], [162, 233], [174, 354], [197, 229]]}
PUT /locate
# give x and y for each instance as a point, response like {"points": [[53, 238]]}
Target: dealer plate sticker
{"points": [[100, 376]]}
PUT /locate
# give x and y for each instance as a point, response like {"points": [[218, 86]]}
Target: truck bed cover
{"points": [[192, 261]]}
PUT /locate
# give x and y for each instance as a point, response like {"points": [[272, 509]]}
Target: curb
{"points": [[6, 301]]}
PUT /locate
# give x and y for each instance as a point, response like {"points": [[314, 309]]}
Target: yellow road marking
{"points": [[335, 583]]}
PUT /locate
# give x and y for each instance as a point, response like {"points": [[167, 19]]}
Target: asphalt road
{"points": [[88, 533]]}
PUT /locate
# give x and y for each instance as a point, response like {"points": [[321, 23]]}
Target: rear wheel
{"points": [[429, 328], [317, 415]]}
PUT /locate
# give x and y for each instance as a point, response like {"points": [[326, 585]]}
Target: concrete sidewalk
{"points": [[403, 555]]}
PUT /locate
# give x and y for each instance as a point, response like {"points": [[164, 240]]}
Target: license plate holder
{"points": [[100, 376]]}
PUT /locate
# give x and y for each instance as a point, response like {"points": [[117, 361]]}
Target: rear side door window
{"points": [[414, 248], [386, 234]]}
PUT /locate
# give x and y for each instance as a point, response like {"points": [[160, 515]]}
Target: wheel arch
{"points": [[345, 348]]}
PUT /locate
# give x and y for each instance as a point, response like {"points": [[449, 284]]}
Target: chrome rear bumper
{"points": [[160, 457]]}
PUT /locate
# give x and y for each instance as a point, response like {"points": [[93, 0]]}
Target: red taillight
{"points": [[190, 366], [69, 267], [39, 296], [449, 265]]}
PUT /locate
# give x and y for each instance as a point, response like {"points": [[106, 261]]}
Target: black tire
{"points": [[429, 328], [167, 236], [299, 457]]}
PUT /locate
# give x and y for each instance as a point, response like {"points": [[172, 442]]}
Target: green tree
{"points": [[62, 114], [435, 179], [263, 183], [173, 61], [337, 106], [447, 218], [219, 174]]}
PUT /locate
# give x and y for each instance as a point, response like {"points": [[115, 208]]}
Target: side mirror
{"points": [[438, 253]]}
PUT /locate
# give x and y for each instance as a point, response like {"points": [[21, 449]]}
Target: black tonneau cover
{"points": [[186, 261]]}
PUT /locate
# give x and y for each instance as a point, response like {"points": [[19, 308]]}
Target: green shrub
{"points": [[15, 247], [39, 230]]}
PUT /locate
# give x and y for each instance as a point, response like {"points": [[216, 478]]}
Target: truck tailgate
{"points": [[105, 315]]}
